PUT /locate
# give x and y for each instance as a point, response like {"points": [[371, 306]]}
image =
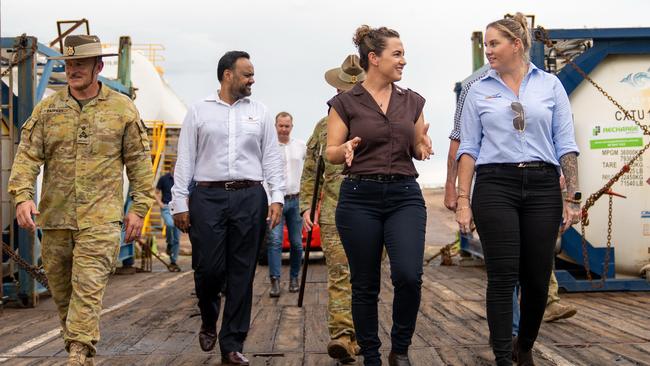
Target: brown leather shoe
{"points": [[207, 339], [396, 359], [234, 358]]}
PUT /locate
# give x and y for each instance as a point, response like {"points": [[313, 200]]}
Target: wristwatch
{"points": [[577, 195]]}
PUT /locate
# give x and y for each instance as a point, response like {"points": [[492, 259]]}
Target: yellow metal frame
{"points": [[158, 136]]}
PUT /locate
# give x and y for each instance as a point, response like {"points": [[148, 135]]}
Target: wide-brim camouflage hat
{"points": [[347, 75], [81, 46]]}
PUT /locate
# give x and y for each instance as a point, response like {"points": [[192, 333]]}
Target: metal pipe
{"points": [[477, 50]]}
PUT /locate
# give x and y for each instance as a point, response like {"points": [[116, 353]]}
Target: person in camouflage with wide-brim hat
{"points": [[343, 345], [83, 136]]}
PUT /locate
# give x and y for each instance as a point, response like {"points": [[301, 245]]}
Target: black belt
{"points": [[291, 196], [232, 185], [525, 164], [380, 177]]}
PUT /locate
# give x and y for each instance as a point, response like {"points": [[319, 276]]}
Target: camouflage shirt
{"points": [[83, 153], [330, 182]]}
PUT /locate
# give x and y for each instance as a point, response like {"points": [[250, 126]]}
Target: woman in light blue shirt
{"points": [[516, 133]]}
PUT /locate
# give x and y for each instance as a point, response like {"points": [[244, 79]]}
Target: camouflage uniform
{"points": [[83, 153], [553, 289], [338, 273]]}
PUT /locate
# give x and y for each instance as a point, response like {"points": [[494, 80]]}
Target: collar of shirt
{"points": [[102, 95], [215, 98], [367, 99], [495, 75]]}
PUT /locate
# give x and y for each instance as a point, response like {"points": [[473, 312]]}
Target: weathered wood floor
{"points": [[159, 327]]}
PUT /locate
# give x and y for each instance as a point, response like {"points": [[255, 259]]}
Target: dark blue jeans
{"points": [[369, 216], [517, 212]]}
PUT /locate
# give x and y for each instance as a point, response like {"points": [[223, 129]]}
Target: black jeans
{"points": [[517, 213], [226, 230], [370, 215]]}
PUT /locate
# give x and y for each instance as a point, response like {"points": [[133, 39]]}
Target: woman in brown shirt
{"points": [[377, 128]]}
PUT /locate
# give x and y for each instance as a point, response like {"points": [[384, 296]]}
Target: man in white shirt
{"points": [[228, 147], [294, 157]]}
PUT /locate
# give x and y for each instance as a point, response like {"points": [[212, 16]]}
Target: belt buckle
{"points": [[522, 165], [227, 186]]}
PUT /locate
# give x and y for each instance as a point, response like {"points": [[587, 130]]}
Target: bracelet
{"points": [[571, 200], [463, 208], [463, 196]]}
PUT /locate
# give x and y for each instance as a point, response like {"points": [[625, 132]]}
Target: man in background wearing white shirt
{"points": [[228, 147], [294, 156]]}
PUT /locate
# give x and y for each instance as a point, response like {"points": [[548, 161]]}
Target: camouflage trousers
{"points": [[553, 289], [339, 291], [77, 264]]}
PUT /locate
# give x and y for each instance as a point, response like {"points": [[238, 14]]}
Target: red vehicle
{"points": [[315, 238], [315, 244]]}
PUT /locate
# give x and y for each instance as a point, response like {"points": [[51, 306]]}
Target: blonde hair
{"points": [[514, 27], [371, 40]]}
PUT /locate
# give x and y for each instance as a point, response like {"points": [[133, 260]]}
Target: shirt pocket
{"points": [[59, 134], [107, 136], [250, 126]]}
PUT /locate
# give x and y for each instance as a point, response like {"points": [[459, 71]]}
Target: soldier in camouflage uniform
{"points": [[83, 135], [342, 345]]}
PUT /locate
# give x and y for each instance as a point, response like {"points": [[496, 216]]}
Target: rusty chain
{"points": [[20, 44], [36, 272], [542, 35]]}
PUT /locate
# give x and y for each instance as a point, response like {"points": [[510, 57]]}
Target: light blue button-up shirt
{"points": [[487, 131]]}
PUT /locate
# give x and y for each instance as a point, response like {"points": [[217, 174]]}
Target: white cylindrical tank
{"points": [[154, 98], [607, 140]]}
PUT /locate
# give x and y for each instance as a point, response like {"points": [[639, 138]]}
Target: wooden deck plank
{"points": [[451, 327]]}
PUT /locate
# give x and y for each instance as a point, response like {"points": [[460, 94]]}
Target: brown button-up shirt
{"points": [[387, 140]]}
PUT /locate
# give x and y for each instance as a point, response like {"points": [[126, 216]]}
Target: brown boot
{"points": [[355, 347], [341, 349], [556, 311], [78, 353]]}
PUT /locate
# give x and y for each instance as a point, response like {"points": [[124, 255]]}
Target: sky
{"points": [[293, 42]]}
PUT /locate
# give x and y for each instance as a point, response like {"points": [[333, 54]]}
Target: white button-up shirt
{"points": [[222, 142], [294, 158]]}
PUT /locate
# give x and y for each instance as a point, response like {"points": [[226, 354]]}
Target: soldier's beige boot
{"points": [[556, 311], [355, 347], [78, 354], [341, 349]]}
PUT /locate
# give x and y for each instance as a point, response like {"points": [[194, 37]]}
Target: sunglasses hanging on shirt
{"points": [[519, 122]]}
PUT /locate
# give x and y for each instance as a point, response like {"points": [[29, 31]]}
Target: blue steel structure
{"points": [[606, 41], [30, 92]]}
